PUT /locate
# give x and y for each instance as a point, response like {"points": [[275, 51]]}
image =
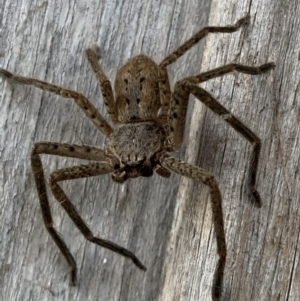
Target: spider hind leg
{"points": [[178, 109]]}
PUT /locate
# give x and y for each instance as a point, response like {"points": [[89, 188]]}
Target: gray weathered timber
{"points": [[263, 245], [165, 222]]}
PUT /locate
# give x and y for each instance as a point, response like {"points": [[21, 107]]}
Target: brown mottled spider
{"points": [[149, 123]]}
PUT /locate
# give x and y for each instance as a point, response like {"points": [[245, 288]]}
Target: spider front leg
{"points": [[206, 178], [81, 171], [177, 114], [84, 104]]}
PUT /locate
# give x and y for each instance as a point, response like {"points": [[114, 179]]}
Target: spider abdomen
{"points": [[137, 90]]}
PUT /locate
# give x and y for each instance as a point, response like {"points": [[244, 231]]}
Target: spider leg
{"points": [[106, 89], [200, 35], [179, 104], [165, 92], [60, 149], [85, 152], [165, 98], [202, 77], [200, 175], [99, 168], [87, 107], [81, 171]]}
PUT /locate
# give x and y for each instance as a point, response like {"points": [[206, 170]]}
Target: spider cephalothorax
{"points": [[136, 145], [149, 123]]}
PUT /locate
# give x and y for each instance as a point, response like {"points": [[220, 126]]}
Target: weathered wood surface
{"points": [[165, 222]]}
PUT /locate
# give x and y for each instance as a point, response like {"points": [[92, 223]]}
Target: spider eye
{"points": [[128, 101]]}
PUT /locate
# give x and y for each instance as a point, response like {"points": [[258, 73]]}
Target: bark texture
{"points": [[166, 222]]}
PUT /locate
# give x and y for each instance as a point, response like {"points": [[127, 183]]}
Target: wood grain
{"points": [[165, 222]]}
